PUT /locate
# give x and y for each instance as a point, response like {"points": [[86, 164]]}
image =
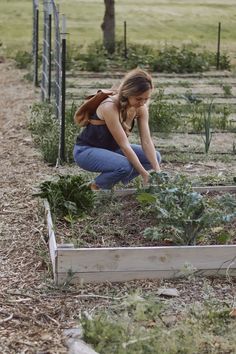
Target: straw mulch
{"points": [[33, 312]]}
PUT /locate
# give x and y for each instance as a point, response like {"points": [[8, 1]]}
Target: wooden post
{"points": [[218, 47], [125, 40]]}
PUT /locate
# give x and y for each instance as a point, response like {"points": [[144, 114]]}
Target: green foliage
{"points": [[224, 62], [45, 130], [185, 59], [180, 213], [137, 55], [68, 196], [220, 121], [164, 116], [23, 59], [207, 119], [71, 131], [227, 90], [180, 60], [142, 327], [95, 59]]}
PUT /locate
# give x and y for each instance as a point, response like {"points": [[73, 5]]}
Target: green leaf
{"points": [[223, 238], [146, 198]]}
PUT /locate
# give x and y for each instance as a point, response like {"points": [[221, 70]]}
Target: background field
{"points": [[154, 22]]}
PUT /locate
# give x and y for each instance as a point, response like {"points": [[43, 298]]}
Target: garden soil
{"points": [[34, 313]]}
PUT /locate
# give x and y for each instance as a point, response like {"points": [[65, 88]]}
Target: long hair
{"points": [[134, 83]]}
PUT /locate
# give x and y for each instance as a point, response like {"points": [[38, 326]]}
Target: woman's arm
{"points": [[110, 114], [145, 136]]}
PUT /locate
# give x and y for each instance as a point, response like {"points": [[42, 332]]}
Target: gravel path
{"points": [[33, 312]]}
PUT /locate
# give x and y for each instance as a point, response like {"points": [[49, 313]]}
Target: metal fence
{"points": [[53, 85], [35, 40]]}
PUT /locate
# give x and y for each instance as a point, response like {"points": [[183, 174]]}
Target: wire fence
{"points": [[53, 87]]}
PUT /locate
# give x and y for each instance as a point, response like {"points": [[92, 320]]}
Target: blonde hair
{"points": [[134, 83]]}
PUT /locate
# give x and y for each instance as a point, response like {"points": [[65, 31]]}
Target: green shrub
{"points": [[45, 129], [224, 62], [180, 60], [95, 59], [137, 55], [164, 116], [23, 59], [185, 59]]}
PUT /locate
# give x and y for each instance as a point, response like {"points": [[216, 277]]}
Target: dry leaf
{"points": [[233, 313]]}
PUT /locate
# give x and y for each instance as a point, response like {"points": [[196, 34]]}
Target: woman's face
{"points": [[139, 100]]}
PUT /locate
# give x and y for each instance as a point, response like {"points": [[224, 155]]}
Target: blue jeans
{"points": [[112, 165]]}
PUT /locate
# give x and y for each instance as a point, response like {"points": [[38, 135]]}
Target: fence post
{"points": [[49, 50], [125, 40], [218, 47], [63, 88], [35, 40]]}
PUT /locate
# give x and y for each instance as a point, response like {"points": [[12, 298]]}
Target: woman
{"points": [[103, 146]]}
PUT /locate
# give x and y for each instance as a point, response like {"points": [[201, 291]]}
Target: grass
{"points": [[142, 325], [151, 22]]}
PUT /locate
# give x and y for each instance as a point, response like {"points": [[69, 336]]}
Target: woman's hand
{"points": [[145, 177]]}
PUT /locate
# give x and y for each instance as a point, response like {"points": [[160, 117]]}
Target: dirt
{"points": [[34, 312], [121, 222]]}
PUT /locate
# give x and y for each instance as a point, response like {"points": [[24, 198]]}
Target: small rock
{"points": [[74, 332], [171, 292]]}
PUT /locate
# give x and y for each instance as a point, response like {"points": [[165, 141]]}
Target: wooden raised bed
{"points": [[128, 263]]}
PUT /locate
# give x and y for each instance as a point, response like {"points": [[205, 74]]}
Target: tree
{"points": [[108, 26]]}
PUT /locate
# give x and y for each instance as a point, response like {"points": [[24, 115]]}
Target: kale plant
{"points": [[181, 213]]}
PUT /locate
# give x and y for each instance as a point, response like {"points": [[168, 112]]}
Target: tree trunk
{"points": [[108, 26]]}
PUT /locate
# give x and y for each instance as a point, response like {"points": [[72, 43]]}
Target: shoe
{"points": [[94, 187]]}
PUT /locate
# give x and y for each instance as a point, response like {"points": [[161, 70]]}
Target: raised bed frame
{"points": [[128, 263]]}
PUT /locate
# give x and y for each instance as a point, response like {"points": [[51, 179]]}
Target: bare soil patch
{"points": [[33, 311]]}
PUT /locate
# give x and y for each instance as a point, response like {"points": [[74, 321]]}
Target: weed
{"points": [[23, 59], [207, 119], [227, 90], [140, 325], [45, 131]]}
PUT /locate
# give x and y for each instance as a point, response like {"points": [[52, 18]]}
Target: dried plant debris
{"points": [[34, 313]]}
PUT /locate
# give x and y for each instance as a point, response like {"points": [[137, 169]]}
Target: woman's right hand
{"points": [[145, 178]]}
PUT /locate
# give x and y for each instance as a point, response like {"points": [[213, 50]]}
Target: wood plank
{"points": [[52, 239], [145, 258], [203, 189], [99, 277], [206, 189]]}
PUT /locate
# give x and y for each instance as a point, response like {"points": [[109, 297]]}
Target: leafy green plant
{"points": [[45, 130], [142, 327], [180, 213], [164, 116], [227, 90], [194, 110], [68, 196], [185, 59], [180, 60], [221, 119], [23, 59], [224, 62], [95, 59]]}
